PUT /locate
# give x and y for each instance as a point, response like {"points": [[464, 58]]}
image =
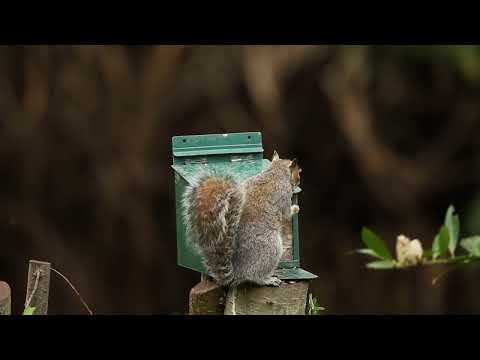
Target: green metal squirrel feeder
{"points": [[241, 156]]}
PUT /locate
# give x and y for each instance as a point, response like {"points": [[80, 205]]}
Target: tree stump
{"points": [[5, 299], [207, 298], [288, 299]]}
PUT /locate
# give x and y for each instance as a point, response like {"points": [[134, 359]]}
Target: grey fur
{"points": [[241, 241], [212, 233]]}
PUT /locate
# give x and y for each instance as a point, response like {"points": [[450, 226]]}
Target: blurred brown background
{"points": [[387, 137]]}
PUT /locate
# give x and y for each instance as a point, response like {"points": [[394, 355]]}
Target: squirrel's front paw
{"points": [[273, 281], [295, 209]]}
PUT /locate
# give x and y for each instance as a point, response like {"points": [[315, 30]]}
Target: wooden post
{"points": [[38, 286], [5, 299], [288, 299], [207, 298]]}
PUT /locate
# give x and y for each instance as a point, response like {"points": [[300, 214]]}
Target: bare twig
{"points": [[73, 287], [441, 275]]}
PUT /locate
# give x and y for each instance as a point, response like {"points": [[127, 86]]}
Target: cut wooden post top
{"points": [[40, 263], [5, 299], [288, 299], [4, 290], [207, 298]]}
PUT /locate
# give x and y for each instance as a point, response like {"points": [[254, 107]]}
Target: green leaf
{"points": [[369, 252], [444, 240], [453, 224], [29, 311], [373, 242], [440, 244], [472, 245], [313, 308], [381, 265], [436, 247]]}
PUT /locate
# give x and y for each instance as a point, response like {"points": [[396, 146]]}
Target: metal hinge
{"points": [[247, 157], [202, 160]]}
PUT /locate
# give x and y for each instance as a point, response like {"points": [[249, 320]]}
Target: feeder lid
{"points": [[217, 144]]}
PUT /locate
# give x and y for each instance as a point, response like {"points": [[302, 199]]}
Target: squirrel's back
{"points": [[268, 194], [237, 227], [259, 236]]}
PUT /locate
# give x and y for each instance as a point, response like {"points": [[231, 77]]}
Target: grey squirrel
{"points": [[236, 227]]}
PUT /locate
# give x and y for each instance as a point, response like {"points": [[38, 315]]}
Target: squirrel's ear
{"points": [[294, 163], [275, 156]]}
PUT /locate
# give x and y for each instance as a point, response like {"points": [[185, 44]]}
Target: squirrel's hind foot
{"points": [[273, 281]]}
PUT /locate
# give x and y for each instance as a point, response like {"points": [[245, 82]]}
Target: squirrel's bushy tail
{"points": [[212, 208]]}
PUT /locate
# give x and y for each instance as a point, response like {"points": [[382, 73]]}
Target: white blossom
{"points": [[402, 248], [409, 252], [415, 251]]}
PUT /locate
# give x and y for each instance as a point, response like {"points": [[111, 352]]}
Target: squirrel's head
{"points": [[295, 170], [293, 166]]}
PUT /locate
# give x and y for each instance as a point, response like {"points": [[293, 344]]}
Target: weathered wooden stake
{"points": [[288, 299], [38, 290], [5, 299]]}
